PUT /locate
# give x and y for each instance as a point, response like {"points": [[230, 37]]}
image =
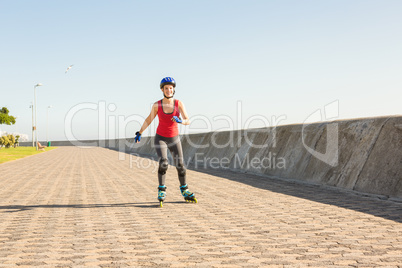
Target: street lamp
{"points": [[36, 118], [33, 138], [47, 125]]}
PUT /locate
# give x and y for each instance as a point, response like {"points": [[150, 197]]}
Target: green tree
{"points": [[16, 141], [5, 118]]}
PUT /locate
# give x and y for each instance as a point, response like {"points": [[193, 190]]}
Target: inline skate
{"points": [[161, 194], [188, 196]]}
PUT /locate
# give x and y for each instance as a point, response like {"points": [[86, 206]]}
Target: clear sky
{"points": [[266, 59]]}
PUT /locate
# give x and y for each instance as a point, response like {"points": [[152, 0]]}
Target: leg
{"points": [[177, 154], [161, 150]]}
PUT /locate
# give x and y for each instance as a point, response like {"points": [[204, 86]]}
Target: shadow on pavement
{"points": [[19, 208], [352, 200]]}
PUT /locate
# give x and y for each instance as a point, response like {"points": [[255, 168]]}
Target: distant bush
{"points": [[3, 141], [7, 141]]}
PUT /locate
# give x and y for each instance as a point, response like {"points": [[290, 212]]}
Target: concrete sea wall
{"points": [[363, 155]]}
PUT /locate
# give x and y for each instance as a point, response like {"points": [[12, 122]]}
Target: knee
{"points": [[163, 166], [181, 170]]}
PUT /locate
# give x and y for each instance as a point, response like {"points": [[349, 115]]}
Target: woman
{"points": [[167, 137]]}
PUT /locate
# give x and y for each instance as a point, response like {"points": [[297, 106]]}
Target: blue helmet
{"points": [[168, 81]]}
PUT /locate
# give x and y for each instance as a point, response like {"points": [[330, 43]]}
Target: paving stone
{"points": [[83, 207]]}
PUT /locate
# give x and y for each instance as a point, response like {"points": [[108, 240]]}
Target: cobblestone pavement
{"points": [[74, 207]]}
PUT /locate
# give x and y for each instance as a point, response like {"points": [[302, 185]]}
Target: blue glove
{"points": [[178, 120], [137, 138]]}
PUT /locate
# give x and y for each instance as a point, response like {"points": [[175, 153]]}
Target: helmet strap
{"points": [[167, 97], [174, 91]]}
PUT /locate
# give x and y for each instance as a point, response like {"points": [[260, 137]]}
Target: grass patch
{"points": [[9, 154]]}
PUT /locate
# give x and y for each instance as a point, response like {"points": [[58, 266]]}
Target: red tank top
{"points": [[168, 128]]}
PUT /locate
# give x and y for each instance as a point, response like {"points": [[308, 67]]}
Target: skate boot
{"points": [[161, 194], [188, 196]]}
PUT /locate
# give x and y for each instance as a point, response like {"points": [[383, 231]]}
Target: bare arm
{"points": [[183, 112], [150, 118]]}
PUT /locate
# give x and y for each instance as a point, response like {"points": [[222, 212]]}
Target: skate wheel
{"points": [[161, 204], [195, 200]]}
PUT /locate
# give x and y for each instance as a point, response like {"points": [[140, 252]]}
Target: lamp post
{"points": [[47, 125], [36, 118], [33, 138]]}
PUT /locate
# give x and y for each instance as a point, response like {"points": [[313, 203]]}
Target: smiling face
{"points": [[168, 90]]}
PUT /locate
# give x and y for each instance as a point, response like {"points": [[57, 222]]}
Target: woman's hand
{"points": [[137, 138], [177, 119]]}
